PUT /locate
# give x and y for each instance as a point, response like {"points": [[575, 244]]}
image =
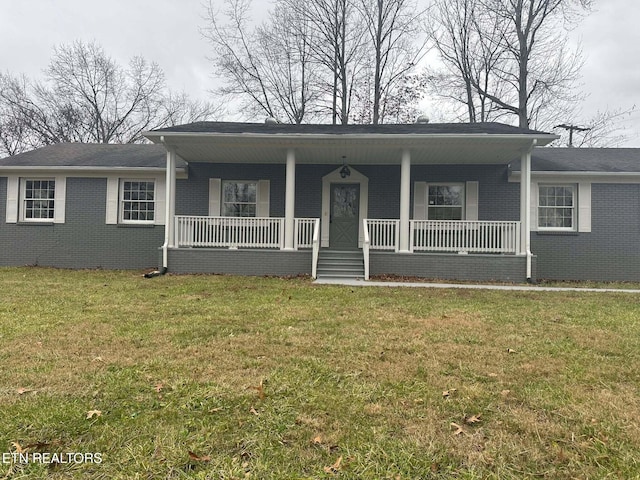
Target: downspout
{"points": [[168, 198]]}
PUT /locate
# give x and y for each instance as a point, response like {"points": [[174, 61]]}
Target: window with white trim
{"points": [[137, 201], [445, 201], [557, 207], [239, 198], [37, 199]]}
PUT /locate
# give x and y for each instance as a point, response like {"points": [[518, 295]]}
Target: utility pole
{"points": [[571, 129]]}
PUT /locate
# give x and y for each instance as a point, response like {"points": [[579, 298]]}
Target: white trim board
{"points": [[593, 177]]}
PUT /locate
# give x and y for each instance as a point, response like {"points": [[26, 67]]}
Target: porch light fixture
{"points": [[345, 171]]}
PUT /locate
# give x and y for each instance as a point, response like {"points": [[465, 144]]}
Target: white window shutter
{"points": [[160, 200], [420, 201], [112, 200], [60, 199], [471, 200], [13, 184], [214, 196], [584, 207], [263, 194]]}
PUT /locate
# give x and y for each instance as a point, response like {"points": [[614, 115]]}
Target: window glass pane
{"points": [[38, 199], [138, 201], [445, 202], [239, 199], [556, 206]]}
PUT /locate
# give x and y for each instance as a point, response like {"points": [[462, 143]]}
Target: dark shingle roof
{"points": [[583, 160], [310, 129], [95, 155]]}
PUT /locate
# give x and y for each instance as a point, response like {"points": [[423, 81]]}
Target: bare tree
{"points": [[604, 129], [337, 33], [469, 45], [270, 66], [511, 55], [541, 69], [392, 27], [87, 97]]}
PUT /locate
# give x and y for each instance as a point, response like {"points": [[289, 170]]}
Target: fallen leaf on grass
{"points": [[159, 387], [254, 411], [505, 393], [18, 448], [448, 393], [22, 391], [473, 419], [198, 458], [510, 350], [335, 468], [459, 429], [92, 413], [317, 440]]}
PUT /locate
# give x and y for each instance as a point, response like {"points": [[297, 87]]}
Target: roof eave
{"points": [[164, 137], [106, 170]]}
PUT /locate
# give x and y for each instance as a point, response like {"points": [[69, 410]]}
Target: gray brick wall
{"points": [[84, 240], [239, 262], [505, 268], [499, 200], [611, 252]]}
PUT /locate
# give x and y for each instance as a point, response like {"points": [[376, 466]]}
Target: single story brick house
{"points": [[480, 201]]}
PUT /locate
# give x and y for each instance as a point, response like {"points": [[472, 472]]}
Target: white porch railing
{"points": [[464, 236], [194, 231], [443, 236], [304, 228], [239, 232], [384, 234]]}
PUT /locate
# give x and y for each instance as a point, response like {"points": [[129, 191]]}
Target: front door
{"points": [[345, 215]]}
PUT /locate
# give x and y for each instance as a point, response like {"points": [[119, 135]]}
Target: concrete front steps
{"points": [[340, 264]]}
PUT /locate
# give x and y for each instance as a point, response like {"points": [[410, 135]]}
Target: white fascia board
{"points": [[593, 177], [543, 139], [87, 171]]}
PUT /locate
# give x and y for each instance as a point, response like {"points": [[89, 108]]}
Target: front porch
{"points": [[467, 250], [407, 196]]}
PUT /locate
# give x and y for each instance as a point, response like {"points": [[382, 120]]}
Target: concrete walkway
{"points": [[525, 288]]}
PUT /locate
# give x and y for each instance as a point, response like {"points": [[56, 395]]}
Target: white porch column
{"points": [[405, 199], [170, 205], [290, 200], [525, 206]]}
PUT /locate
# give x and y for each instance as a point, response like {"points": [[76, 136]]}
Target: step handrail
{"points": [[365, 248], [315, 249]]}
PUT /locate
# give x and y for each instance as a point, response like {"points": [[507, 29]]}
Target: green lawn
{"points": [[228, 377]]}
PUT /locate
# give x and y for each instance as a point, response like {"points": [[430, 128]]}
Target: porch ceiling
{"points": [[355, 149]]}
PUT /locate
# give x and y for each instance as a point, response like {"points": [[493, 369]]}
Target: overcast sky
{"points": [[167, 32]]}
